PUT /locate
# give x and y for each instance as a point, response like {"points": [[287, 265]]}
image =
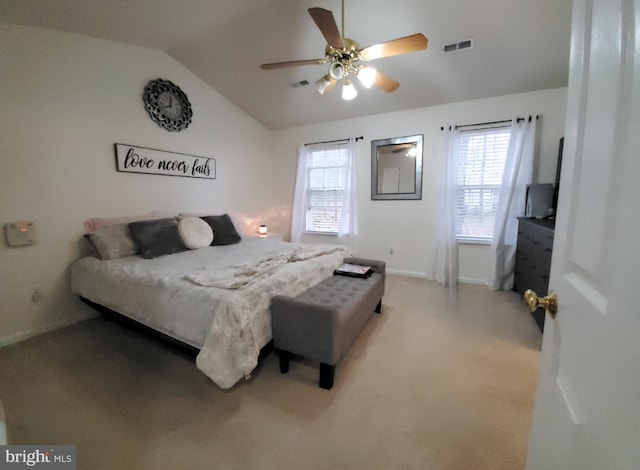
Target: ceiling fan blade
{"points": [[327, 24], [415, 42], [386, 83], [291, 63]]}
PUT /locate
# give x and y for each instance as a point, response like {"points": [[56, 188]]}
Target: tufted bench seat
{"points": [[323, 322]]}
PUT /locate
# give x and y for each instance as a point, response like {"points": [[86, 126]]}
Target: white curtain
{"points": [[348, 231], [517, 175], [446, 261], [298, 211]]}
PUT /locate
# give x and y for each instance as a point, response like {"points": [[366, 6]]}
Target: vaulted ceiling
{"points": [[518, 46]]}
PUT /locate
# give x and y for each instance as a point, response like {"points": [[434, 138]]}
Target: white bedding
{"points": [[229, 324]]}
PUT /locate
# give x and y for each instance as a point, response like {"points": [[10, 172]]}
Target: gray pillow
{"points": [[157, 237], [113, 241], [224, 232]]}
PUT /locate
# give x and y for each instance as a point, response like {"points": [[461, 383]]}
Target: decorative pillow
{"points": [[91, 225], [244, 228], [224, 233], [182, 215], [195, 233], [157, 237], [113, 241]]}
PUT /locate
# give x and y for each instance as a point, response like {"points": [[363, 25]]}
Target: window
{"points": [[326, 172], [481, 158]]}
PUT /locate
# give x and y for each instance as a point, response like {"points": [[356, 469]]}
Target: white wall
{"points": [[408, 226], [65, 100]]}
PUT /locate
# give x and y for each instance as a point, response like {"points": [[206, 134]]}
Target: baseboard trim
{"points": [[400, 272], [32, 333], [462, 280], [471, 280]]}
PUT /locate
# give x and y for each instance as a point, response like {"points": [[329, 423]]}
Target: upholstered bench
{"points": [[322, 323]]}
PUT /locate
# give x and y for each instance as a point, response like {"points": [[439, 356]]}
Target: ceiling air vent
{"points": [[450, 47], [456, 46], [300, 83]]}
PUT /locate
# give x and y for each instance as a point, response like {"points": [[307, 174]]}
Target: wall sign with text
{"points": [[159, 162]]}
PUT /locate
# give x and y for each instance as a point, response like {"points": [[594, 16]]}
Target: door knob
{"points": [[549, 302]]}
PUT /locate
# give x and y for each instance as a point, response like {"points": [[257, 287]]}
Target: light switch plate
{"points": [[21, 233]]}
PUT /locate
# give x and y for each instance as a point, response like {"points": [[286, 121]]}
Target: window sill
{"points": [[329, 234], [473, 241]]}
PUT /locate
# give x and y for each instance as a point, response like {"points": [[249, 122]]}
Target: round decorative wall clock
{"points": [[167, 105]]}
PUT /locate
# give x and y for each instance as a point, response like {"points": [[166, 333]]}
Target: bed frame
{"points": [[132, 324]]}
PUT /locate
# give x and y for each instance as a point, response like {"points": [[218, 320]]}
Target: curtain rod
{"points": [[334, 141], [518, 119]]}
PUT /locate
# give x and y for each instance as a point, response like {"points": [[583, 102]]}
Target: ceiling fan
{"points": [[346, 58]]}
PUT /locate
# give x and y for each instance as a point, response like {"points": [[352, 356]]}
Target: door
{"points": [[587, 411]]}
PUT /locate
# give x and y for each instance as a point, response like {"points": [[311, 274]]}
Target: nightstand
{"points": [[277, 236]]}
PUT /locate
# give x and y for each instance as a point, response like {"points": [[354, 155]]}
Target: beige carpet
{"points": [[426, 386]]}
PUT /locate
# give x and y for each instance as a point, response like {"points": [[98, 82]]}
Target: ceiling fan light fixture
{"points": [[323, 84], [367, 76], [337, 71], [349, 91]]}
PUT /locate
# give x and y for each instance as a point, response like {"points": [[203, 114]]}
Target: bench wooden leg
{"points": [[284, 361], [327, 373], [379, 307]]}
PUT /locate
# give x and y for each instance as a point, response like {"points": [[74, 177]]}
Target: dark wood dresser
{"points": [[533, 259]]}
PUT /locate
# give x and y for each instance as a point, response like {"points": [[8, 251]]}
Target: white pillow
{"points": [[195, 232]]}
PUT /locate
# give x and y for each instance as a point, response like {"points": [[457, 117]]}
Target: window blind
{"points": [[326, 172], [481, 158]]}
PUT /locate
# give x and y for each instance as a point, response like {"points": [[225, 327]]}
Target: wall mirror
{"points": [[396, 168]]}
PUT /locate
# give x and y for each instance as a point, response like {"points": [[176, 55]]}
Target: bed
{"points": [[216, 298]]}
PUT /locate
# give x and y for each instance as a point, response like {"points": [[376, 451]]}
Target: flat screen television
{"points": [[540, 198], [558, 170]]}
